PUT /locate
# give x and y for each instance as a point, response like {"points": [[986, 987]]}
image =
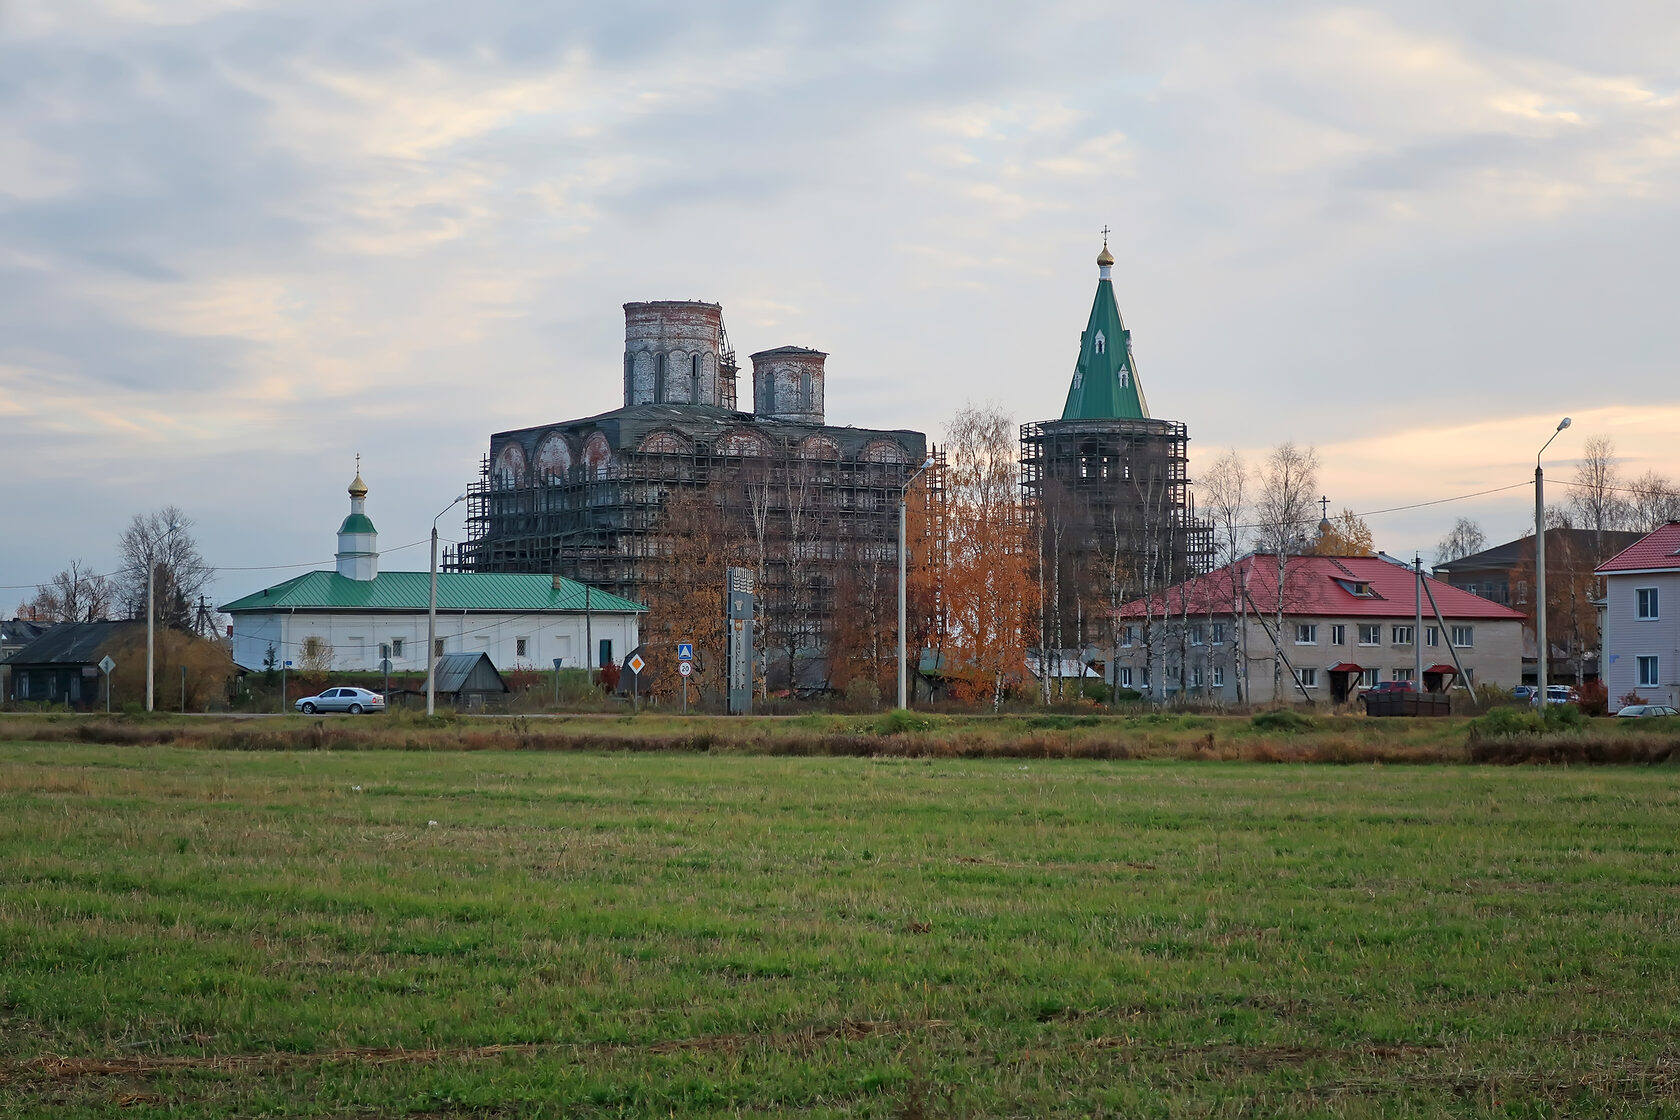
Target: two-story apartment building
{"points": [[1505, 574], [1348, 622], [1641, 620]]}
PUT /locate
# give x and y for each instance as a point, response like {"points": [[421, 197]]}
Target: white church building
{"points": [[521, 621]]}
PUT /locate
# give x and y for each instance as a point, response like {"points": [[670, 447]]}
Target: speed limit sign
{"points": [[685, 667]]}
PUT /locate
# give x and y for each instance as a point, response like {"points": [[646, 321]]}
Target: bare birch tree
{"points": [[73, 595], [1595, 497], [1654, 502], [1225, 499], [1283, 509], [1465, 538]]}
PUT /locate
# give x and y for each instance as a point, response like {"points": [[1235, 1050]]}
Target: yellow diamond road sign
{"points": [[637, 664]]}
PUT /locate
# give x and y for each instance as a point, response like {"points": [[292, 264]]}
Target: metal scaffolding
{"points": [[1112, 503], [805, 506]]}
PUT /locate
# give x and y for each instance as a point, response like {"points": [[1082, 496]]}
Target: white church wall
{"points": [[355, 637]]}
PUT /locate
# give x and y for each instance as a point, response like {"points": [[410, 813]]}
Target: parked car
{"points": [[1646, 711], [1558, 694], [352, 700], [1525, 692]]}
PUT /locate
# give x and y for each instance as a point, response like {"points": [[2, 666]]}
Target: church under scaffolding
{"points": [[808, 504], [1109, 487]]}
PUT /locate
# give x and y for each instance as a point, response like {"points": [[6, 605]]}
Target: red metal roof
{"points": [[1657, 550], [1347, 586], [1345, 667], [1443, 667]]}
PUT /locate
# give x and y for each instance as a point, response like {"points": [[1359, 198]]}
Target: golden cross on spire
{"points": [[1105, 235], [358, 464]]}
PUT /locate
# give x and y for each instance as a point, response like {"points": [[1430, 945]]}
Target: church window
{"points": [[1101, 343], [805, 404], [659, 380], [694, 380]]}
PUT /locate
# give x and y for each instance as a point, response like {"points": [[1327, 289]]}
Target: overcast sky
{"points": [[242, 241]]}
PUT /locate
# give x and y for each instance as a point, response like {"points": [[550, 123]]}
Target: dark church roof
{"points": [[626, 428]]}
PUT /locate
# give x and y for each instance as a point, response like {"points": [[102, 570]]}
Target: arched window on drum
{"points": [[511, 468], [884, 451]]}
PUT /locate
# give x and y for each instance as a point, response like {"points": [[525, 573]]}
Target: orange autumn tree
{"points": [[1347, 535], [987, 586], [685, 601], [864, 641]]}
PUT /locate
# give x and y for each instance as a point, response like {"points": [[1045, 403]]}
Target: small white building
{"points": [[348, 616], [1641, 642]]}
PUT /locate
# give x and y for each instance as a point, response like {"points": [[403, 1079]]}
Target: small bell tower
{"points": [[358, 540]]}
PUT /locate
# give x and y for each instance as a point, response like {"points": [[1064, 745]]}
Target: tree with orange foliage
{"points": [[685, 600], [988, 587], [864, 642], [1348, 535]]}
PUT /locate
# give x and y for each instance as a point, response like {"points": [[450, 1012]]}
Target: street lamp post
{"points": [[151, 612], [903, 507], [431, 612], [1542, 654]]}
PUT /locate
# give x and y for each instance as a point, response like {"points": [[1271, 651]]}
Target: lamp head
{"points": [[928, 462], [1564, 424]]}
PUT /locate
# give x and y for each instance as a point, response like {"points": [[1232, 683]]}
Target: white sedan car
{"points": [[352, 700], [1647, 711]]}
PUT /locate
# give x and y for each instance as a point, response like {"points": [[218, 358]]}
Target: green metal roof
{"points": [[356, 523], [1105, 384], [411, 591]]}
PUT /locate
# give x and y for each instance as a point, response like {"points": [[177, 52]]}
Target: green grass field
{"points": [[211, 933]]}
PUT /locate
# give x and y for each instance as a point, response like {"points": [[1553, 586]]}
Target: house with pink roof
{"points": [[1348, 623], [1640, 623]]}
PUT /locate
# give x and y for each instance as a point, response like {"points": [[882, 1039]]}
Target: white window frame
{"points": [[1128, 637], [1368, 677], [1338, 634], [1395, 632], [1125, 676], [522, 646], [1219, 676], [1402, 674], [1432, 636], [1196, 677], [1310, 629], [1219, 633], [1375, 630], [397, 648], [1196, 635], [1464, 637], [1307, 676], [1645, 604], [1648, 668]]}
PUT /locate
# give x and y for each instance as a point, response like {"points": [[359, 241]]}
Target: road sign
{"points": [[384, 664], [685, 651], [106, 664], [685, 667], [557, 661], [288, 664], [637, 664]]}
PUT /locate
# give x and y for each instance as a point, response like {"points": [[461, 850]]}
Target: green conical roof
{"points": [[1105, 384]]}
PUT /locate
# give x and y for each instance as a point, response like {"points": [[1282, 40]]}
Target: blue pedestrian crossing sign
{"points": [[685, 651]]}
